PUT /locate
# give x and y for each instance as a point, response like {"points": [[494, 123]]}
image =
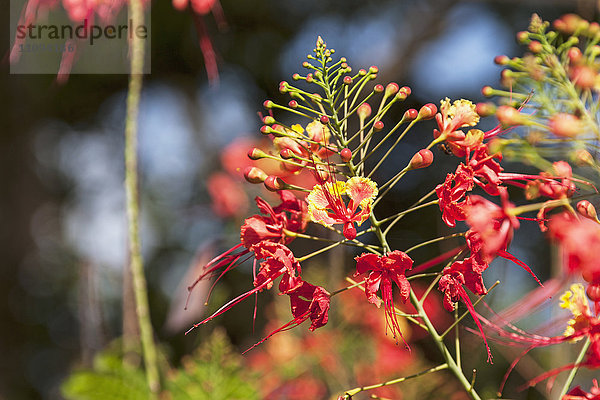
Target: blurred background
{"points": [[63, 224]]}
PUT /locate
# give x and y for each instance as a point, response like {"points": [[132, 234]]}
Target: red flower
{"points": [[580, 241], [306, 301], [383, 271], [451, 192], [459, 274], [579, 394], [290, 215], [493, 223], [326, 206]]}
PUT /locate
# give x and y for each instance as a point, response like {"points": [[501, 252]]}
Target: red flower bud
{"points": [[349, 231], [324, 119], [391, 89], [427, 111], [346, 154], [410, 114], [377, 126], [378, 88], [522, 37], [485, 109], [565, 125], [574, 55], [268, 104], [286, 154], [509, 116], [403, 93], [373, 69], [587, 209], [256, 154], [274, 183], [254, 175], [593, 292], [487, 91], [348, 80], [501, 60], [265, 129], [362, 72], [423, 158], [293, 104], [309, 78], [535, 46], [363, 111]]}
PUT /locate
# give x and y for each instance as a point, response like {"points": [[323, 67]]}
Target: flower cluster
{"points": [[327, 176]]}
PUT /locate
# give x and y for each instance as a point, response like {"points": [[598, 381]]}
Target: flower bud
{"points": [[286, 154], [582, 158], [423, 158], [574, 55], [403, 93], [485, 109], [309, 78], [256, 154], [348, 80], [587, 209], [427, 111], [363, 111], [522, 37], [410, 114], [487, 91], [274, 183], [378, 88], [293, 104], [535, 46], [509, 116], [346, 154], [324, 119], [501, 60], [377, 126], [391, 89], [306, 64], [583, 76], [373, 69], [254, 175], [362, 72], [565, 125], [265, 129], [268, 104]]}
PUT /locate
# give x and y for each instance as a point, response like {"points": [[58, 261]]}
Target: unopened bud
{"points": [[256, 154], [535, 46], [324, 119], [509, 116], [293, 104], [363, 111], [565, 125], [485, 109], [487, 91], [373, 69], [362, 72], [265, 129], [391, 89], [587, 209], [423, 158], [378, 88], [346, 154], [522, 37], [306, 64], [501, 60], [309, 78], [377, 126], [574, 55], [274, 183], [296, 77], [583, 158], [286, 154], [268, 104], [348, 80], [427, 111], [410, 114], [254, 175], [403, 93], [268, 120]]}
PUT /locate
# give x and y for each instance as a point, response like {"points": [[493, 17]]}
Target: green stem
{"points": [[573, 372], [352, 392], [131, 189]]}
